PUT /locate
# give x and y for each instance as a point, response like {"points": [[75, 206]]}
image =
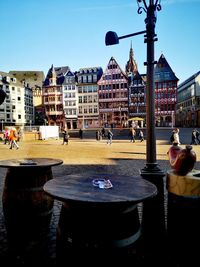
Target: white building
{"points": [[17, 109], [88, 114], [70, 100]]}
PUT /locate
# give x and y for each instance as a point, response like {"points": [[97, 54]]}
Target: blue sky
{"points": [[38, 33]]}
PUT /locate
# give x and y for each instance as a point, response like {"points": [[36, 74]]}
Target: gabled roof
{"points": [[163, 71], [69, 73], [59, 72], [112, 59]]}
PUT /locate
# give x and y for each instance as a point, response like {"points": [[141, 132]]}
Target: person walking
{"points": [[197, 136], [194, 137], [132, 135], [98, 135], [109, 136], [65, 137], [13, 138], [103, 132], [141, 136], [6, 136], [81, 133], [176, 136]]}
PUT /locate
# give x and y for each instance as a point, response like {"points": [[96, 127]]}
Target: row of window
{"points": [[113, 105], [87, 89], [113, 86], [88, 109], [69, 95], [165, 85], [87, 78], [165, 95], [113, 95], [52, 98], [165, 107], [88, 99], [69, 87], [113, 76]]}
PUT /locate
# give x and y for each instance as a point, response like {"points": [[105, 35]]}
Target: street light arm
{"points": [[112, 37], [132, 34]]}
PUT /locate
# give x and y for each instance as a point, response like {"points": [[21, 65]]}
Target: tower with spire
{"points": [[136, 88], [131, 65]]}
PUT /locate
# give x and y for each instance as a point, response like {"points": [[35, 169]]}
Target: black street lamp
{"points": [[153, 210]]}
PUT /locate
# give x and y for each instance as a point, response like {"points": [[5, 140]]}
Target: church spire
{"points": [[131, 65]]}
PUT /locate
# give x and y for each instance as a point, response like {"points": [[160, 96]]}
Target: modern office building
{"points": [[188, 102]]}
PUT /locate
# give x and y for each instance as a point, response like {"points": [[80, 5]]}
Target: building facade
{"points": [[70, 100], [165, 93], [34, 80], [113, 96], [17, 109], [188, 102], [136, 92], [52, 94], [88, 108]]}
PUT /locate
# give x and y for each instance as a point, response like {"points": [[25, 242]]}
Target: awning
{"points": [[136, 119]]}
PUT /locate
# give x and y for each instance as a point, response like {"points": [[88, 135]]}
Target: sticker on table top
{"points": [[27, 162], [102, 183]]}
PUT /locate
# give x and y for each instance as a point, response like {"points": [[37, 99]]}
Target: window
{"points": [[94, 78], [89, 78], [85, 99], [90, 109], [80, 99]]}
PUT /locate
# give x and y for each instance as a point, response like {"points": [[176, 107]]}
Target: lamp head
{"points": [[111, 38]]}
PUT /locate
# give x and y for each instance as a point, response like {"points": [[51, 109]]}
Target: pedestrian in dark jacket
{"points": [[109, 136], [65, 137], [194, 138]]}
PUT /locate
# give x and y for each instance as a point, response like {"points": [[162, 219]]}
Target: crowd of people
{"points": [[12, 136]]}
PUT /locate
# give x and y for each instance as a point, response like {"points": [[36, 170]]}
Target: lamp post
{"points": [[153, 209]]}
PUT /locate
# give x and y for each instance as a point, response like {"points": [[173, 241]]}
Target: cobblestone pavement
{"points": [[79, 157]]}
